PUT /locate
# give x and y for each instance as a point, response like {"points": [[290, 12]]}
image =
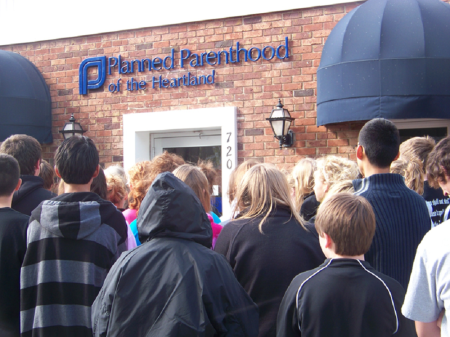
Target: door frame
{"points": [[138, 128]]}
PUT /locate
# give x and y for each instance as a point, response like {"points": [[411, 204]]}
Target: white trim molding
{"points": [[138, 128]]}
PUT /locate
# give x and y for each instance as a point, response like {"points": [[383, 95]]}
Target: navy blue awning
{"points": [[25, 103], [386, 58]]}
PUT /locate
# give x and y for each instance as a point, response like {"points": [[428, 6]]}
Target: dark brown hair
{"points": [[438, 163], [47, 174], [25, 149], [349, 221], [99, 186], [207, 167]]}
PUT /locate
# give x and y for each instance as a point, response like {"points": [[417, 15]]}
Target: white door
{"points": [[193, 146]]}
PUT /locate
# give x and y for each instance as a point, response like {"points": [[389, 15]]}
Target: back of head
{"points": [[47, 174], [196, 180], [117, 171], [140, 181], [76, 160], [438, 163], [207, 167], [417, 148], [303, 179], [350, 222], [262, 188], [411, 170], [334, 169], [236, 177], [166, 162], [381, 141], [9, 174], [116, 189], [99, 186], [25, 149]]}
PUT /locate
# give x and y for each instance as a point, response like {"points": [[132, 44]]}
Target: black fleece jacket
{"points": [[30, 194]]}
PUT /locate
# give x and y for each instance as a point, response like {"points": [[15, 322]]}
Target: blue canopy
{"points": [[25, 103], [386, 58]]}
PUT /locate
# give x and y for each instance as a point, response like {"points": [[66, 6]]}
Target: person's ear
{"points": [[57, 172], [359, 152], [328, 240], [97, 170], [19, 183]]}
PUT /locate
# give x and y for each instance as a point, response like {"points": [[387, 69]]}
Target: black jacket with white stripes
{"points": [[343, 297]]}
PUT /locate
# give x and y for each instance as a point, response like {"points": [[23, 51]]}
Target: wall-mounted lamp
{"points": [[280, 121], [72, 129]]}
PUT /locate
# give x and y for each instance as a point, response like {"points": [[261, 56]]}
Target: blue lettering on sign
{"points": [[186, 57]]}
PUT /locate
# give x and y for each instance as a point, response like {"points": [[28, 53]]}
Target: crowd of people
{"points": [[333, 248]]}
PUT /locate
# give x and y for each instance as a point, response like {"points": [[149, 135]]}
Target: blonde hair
{"points": [[345, 186], [417, 148], [262, 188], [140, 181], [412, 171], [334, 169], [115, 188], [236, 177], [196, 180], [303, 180]]}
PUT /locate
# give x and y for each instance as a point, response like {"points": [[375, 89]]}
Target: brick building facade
{"points": [[252, 87]]}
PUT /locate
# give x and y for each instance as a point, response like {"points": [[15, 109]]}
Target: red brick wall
{"points": [[253, 87]]}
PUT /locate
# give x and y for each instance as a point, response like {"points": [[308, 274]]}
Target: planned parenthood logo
{"points": [[84, 84], [186, 60]]}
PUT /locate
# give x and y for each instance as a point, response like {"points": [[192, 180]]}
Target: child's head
{"points": [[98, 185], [140, 180], [438, 166], [261, 190], [303, 179], [76, 160], [47, 174], [418, 148], [236, 177], [331, 170], [411, 170], [9, 175], [381, 141], [349, 221], [116, 189], [26, 150], [196, 180], [207, 167]]}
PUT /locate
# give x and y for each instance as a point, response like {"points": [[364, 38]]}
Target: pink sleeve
{"points": [[130, 215]]}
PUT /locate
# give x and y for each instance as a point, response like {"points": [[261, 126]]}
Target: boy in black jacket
{"points": [[344, 296], [13, 231]]}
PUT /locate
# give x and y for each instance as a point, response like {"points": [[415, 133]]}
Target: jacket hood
{"points": [[29, 185], [74, 215], [171, 209]]}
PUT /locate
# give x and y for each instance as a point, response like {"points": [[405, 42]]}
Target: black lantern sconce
{"points": [[72, 129], [280, 121]]}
